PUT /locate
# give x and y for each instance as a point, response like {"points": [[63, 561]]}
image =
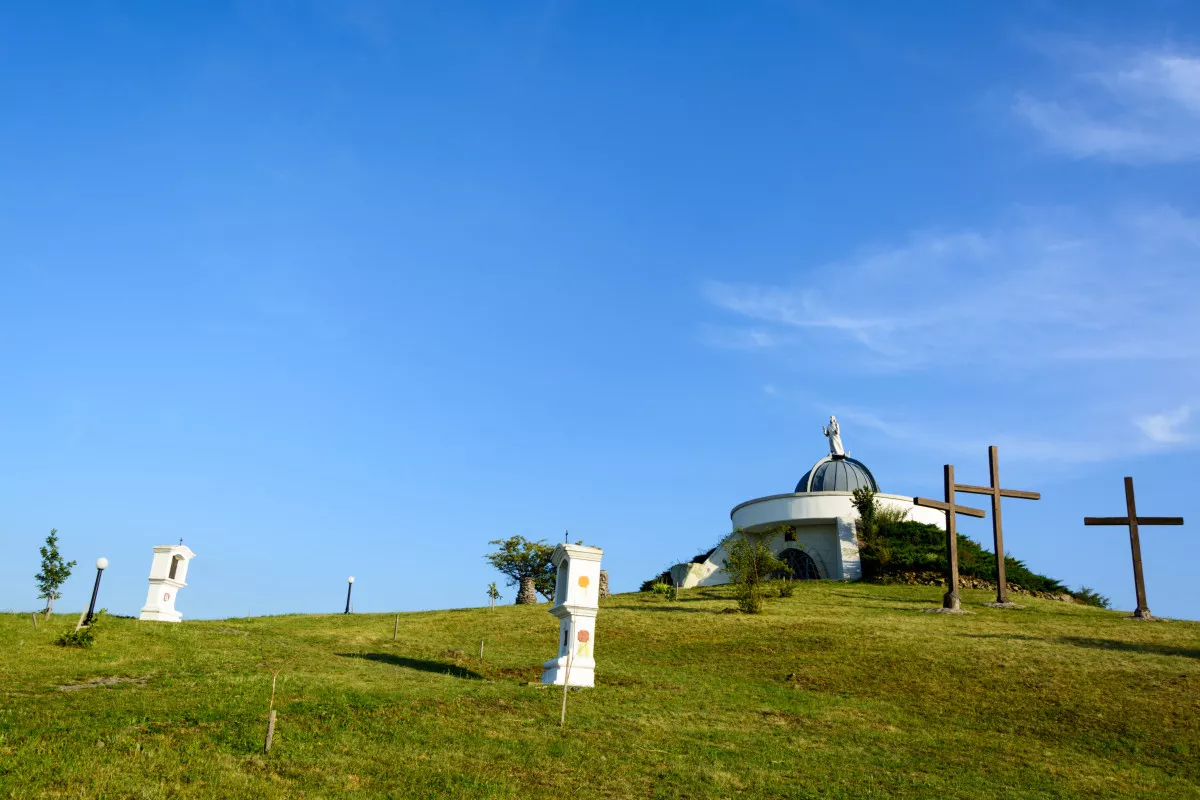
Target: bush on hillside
{"points": [[83, 637], [750, 565], [662, 577], [890, 544], [1090, 597]]}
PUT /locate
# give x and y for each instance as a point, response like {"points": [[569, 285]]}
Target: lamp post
{"points": [[101, 565], [349, 586]]}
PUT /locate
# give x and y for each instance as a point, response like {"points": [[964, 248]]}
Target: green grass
{"points": [[839, 691]]}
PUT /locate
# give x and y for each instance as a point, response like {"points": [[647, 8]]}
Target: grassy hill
{"points": [[839, 691]]}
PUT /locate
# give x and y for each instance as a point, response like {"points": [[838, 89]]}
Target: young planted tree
{"points": [[54, 571], [493, 593], [526, 564], [750, 565]]}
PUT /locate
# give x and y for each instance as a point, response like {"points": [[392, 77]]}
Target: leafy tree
{"points": [[493, 593], [526, 564], [750, 565], [54, 571]]}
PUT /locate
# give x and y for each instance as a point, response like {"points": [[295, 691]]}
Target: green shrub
{"points": [[785, 587], [662, 577], [661, 589], [1090, 597], [750, 565], [84, 637], [890, 544]]}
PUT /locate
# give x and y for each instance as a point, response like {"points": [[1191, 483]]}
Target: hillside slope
{"points": [[839, 691]]}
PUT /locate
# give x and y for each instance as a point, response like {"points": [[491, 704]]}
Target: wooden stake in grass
{"points": [[562, 720], [271, 706], [481, 649], [271, 713], [34, 621], [395, 628], [270, 730]]}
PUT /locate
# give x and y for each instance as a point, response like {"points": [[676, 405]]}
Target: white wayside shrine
{"points": [[167, 573], [576, 600]]}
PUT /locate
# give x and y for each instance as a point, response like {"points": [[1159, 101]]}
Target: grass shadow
{"points": [[680, 610], [419, 664], [1023, 637], [891, 598], [1132, 647]]}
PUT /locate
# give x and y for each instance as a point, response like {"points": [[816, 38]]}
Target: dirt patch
{"points": [[93, 683]]}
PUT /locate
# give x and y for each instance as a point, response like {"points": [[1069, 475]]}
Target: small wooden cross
{"points": [[997, 533], [1133, 521], [951, 599]]}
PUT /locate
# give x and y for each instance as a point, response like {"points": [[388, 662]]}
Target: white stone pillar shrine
{"points": [[576, 600], [167, 573]]}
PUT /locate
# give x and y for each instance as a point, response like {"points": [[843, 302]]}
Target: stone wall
{"points": [[964, 582], [528, 594]]}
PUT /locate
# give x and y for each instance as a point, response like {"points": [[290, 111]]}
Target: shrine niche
{"points": [[576, 601], [168, 574]]}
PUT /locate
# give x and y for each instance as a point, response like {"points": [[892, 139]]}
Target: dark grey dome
{"points": [[837, 475]]}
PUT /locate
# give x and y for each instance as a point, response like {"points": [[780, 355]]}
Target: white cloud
{"points": [[1122, 288], [1079, 318], [730, 338], [1135, 108], [1164, 428]]}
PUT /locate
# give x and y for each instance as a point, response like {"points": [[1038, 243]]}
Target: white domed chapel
{"points": [[818, 540]]}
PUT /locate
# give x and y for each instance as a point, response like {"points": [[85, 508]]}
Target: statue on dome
{"points": [[835, 438]]}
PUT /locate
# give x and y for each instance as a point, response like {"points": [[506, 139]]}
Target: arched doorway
{"points": [[800, 563]]}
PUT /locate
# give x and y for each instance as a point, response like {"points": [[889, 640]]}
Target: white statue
{"points": [[835, 438]]}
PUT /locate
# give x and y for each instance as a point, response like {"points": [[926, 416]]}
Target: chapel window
{"points": [[801, 564]]}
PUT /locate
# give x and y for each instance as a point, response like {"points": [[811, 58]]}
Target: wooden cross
{"points": [[1133, 521], [997, 534], [951, 598]]}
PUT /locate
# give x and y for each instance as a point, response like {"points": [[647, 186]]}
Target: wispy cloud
{"points": [[1139, 107], [1081, 316], [734, 338], [1165, 428], [1120, 288], [1025, 447]]}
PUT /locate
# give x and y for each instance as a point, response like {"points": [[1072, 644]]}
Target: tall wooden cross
{"points": [[997, 533], [951, 599], [1133, 521]]}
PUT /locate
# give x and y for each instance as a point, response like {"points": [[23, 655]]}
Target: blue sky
{"points": [[329, 289]]}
